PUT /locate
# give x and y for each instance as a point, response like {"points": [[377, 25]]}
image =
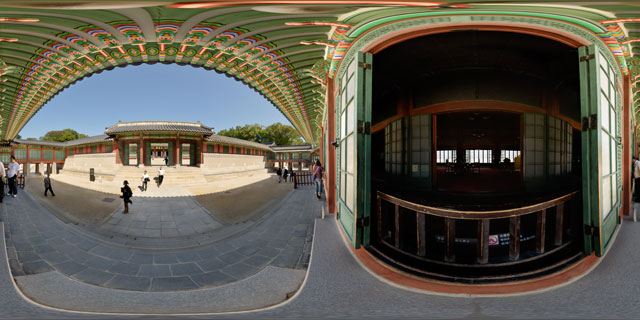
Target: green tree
{"points": [[18, 136], [32, 139], [62, 135], [282, 135], [279, 133], [250, 132]]}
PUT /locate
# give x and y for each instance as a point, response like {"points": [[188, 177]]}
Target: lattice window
{"points": [[446, 156], [533, 145], [420, 145], [478, 156]]}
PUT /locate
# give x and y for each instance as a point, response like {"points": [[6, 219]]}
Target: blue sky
{"points": [[153, 92]]}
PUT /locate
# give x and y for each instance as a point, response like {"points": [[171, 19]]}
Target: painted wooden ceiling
{"points": [[284, 49]]}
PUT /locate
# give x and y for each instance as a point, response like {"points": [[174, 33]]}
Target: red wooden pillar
{"points": [[202, 149], [141, 154], [177, 150], [116, 147], [331, 150], [626, 146]]}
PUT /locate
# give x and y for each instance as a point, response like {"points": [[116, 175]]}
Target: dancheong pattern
{"points": [[285, 50]]}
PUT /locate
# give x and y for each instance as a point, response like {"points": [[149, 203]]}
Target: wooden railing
{"points": [[483, 219], [302, 179]]}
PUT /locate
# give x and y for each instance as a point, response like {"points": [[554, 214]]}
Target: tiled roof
{"points": [[239, 142], [158, 126], [87, 140], [40, 143], [94, 139]]}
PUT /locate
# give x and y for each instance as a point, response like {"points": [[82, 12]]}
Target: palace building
{"points": [[155, 143]]}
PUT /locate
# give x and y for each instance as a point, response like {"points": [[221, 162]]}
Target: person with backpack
{"points": [[126, 196], [279, 173], [318, 170], [285, 174]]}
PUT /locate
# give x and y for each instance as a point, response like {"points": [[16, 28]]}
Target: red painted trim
{"points": [[331, 151]]}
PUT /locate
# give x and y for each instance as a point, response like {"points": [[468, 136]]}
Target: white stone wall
{"points": [[222, 163], [104, 164]]}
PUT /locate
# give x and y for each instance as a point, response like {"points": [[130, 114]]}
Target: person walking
{"points": [[145, 179], [285, 174], [160, 176], [166, 160], [279, 173], [126, 196], [318, 170], [14, 170], [2, 175], [47, 186]]}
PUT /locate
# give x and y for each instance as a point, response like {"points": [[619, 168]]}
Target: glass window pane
{"points": [[343, 187], [613, 122], [606, 168], [604, 112], [343, 125], [350, 117], [350, 191], [350, 150], [606, 196], [614, 154]]}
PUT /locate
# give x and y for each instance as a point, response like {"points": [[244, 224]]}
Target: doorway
{"points": [[478, 152]]}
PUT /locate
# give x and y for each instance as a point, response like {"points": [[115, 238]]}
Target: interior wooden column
{"points": [[514, 238], [396, 242], [559, 224], [449, 239], [540, 230], [483, 241], [421, 234]]}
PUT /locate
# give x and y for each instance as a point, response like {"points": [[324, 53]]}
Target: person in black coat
{"points": [[126, 196], [279, 173]]}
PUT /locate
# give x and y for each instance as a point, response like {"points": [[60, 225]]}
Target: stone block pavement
{"points": [[338, 287], [37, 242]]}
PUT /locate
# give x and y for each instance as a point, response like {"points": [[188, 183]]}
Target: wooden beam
{"points": [[540, 230], [559, 224], [449, 239], [483, 241], [421, 234], [514, 238]]}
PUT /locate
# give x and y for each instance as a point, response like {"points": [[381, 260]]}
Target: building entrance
{"points": [[159, 154], [478, 152]]}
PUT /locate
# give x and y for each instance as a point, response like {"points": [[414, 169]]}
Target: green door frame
{"points": [[595, 96], [353, 115]]}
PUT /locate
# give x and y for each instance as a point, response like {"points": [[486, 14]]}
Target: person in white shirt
{"points": [[2, 175], [145, 179], [12, 174], [160, 176]]}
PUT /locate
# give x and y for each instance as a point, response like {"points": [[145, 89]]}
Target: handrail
{"points": [[476, 215]]}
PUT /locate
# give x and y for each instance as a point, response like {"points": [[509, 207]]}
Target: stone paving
{"points": [[338, 287], [161, 218], [37, 242]]}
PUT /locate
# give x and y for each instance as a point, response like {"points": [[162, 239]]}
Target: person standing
{"points": [[47, 186], [145, 179], [285, 173], [2, 175], [166, 160], [318, 170], [126, 196], [279, 173], [14, 170], [160, 176]]}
